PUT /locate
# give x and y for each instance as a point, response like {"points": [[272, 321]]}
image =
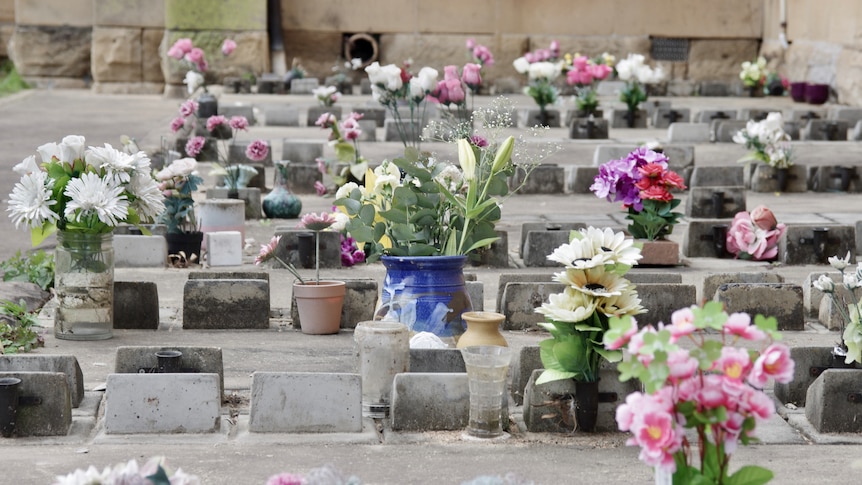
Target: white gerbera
{"points": [[149, 201], [30, 201], [579, 254], [569, 306], [594, 281], [92, 194], [117, 165]]}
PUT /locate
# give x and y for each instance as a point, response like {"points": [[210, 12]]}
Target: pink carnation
{"points": [[195, 145], [177, 123], [189, 108], [215, 121], [257, 150], [196, 57], [228, 47], [325, 121], [351, 129], [238, 122]]}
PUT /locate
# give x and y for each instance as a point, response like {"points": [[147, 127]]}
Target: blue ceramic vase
{"points": [[280, 203]]}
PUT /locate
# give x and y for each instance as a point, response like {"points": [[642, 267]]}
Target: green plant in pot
{"points": [[595, 262], [178, 182]]}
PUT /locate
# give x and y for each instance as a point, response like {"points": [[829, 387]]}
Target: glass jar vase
{"points": [[84, 286]]}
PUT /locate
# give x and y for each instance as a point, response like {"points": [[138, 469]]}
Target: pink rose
{"points": [[257, 150], [599, 71], [180, 48], [472, 75], [471, 43], [455, 91], [763, 218], [215, 121], [451, 73], [483, 54], [228, 47]]}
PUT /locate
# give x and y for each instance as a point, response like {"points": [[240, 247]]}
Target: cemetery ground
{"points": [[797, 454]]}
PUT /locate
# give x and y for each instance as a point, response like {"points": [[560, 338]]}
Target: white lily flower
{"points": [[825, 284], [839, 263]]}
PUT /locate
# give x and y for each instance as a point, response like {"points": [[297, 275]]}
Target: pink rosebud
{"points": [[321, 165], [319, 188], [484, 56], [763, 218], [441, 94], [195, 145], [257, 150], [451, 73], [215, 121], [189, 108], [471, 43], [238, 122], [180, 48], [472, 75], [774, 362], [177, 123], [227, 47], [455, 91]]}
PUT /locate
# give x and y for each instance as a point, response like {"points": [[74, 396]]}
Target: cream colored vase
{"points": [[483, 328]]}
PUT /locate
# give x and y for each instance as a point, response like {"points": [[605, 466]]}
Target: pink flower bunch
{"points": [[481, 54], [187, 111], [551, 54], [350, 126], [584, 71], [451, 90], [754, 235], [184, 49], [709, 385]]}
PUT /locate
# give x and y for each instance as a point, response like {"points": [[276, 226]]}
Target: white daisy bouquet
{"points": [[88, 190], [595, 262]]}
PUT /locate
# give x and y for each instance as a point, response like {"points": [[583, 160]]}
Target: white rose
{"points": [[384, 181], [345, 190], [183, 167], [341, 220], [522, 65], [193, 81], [416, 88], [48, 151], [72, 147], [392, 76], [374, 73], [27, 166], [428, 78]]}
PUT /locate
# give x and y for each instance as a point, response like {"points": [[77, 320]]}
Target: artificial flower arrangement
{"points": [[178, 181], [450, 91], [542, 67], [422, 205], [700, 384], [187, 122], [643, 182], [584, 73], [481, 56], [754, 235], [344, 138], [153, 472], [595, 262], [184, 51], [636, 73], [776, 84], [326, 95], [767, 140], [392, 85], [850, 347], [84, 190], [753, 74], [313, 222]]}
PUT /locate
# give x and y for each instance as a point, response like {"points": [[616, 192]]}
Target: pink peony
{"points": [[177, 123], [257, 150], [227, 47], [215, 121], [238, 122], [180, 48], [195, 145], [472, 75], [774, 362], [188, 108]]}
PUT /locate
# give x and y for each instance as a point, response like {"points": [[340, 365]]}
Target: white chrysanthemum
{"points": [[117, 165], [613, 245], [149, 201], [140, 162], [579, 254], [27, 166], [30, 201], [569, 306], [594, 281], [92, 194]]}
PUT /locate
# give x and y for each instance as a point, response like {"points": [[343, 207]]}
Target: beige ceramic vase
{"points": [[483, 328], [319, 306]]}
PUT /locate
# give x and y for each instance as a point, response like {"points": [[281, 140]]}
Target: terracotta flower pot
{"points": [[319, 306]]}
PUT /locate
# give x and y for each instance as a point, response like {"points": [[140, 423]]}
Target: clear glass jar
{"points": [[84, 286]]}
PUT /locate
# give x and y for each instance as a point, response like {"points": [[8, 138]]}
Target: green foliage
{"points": [[10, 81], [633, 95], [179, 214], [575, 350], [655, 221], [18, 336], [36, 267]]}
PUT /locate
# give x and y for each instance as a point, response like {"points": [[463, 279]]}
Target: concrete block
{"points": [[140, 251], [301, 177], [495, 256], [581, 178], [754, 114], [250, 194], [523, 365], [229, 275], [651, 106], [806, 114], [712, 282], [832, 404], [229, 110], [299, 402], [237, 148], [856, 132], [142, 360], [226, 304], [430, 402], [714, 88], [844, 113], [406, 129], [708, 115], [531, 117], [662, 299], [162, 403], [315, 112], [619, 118], [64, 364], [715, 202], [540, 244], [369, 131], [684, 132], [610, 88], [378, 115], [281, 116], [682, 88], [270, 83], [564, 227], [588, 129], [765, 179], [437, 361], [642, 276], [301, 151], [724, 130], [288, 248], [131, 230], [506, 278], [664, 117], [800, 243], [136, 305], [810, 362], [780, 300], [520, 301], [723, 176], [53, 415], [832, 178], [476, 291], [545, 179], [360, 300], [812, 298], [547, 407], [573, 114], [304, 85], [824, 130], [224, 248]]}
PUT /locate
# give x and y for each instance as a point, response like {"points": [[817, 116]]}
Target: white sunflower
{"points": [[626, 303], [594, 281], [578, 254], [612, 245]]}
